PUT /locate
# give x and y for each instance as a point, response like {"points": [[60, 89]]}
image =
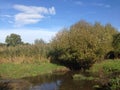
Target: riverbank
{"points": [[16, 71], [108, 73]]}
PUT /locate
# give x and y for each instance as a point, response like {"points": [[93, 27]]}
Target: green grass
{"points": [[10, 70], [82, 77], [107, 66]]}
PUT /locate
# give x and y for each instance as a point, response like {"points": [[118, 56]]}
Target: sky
{"points": [[42, 19]]}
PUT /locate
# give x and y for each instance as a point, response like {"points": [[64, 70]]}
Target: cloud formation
{"points": [[31, 14]]}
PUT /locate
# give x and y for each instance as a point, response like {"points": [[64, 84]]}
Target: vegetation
{"points": [[82, 77], [77, 48], [13, 40], [108, 73], [25, 53], [82, 45], [116, 45], [107, 66], [10, 70]]}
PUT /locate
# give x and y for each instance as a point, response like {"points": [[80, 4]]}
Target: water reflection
{"points": [[47, 86], [59, 82]]}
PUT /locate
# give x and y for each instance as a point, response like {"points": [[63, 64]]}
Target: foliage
{"points": [[116, 41], [81, 45], [13, 40], [115, 83], [116, 45]]}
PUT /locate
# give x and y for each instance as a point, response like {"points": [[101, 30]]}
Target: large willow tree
{"points": [[82, 45]]}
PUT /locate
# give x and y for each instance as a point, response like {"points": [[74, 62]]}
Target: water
{"points": [[58, 82]]}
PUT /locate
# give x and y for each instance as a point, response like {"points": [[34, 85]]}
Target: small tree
{"points": [[39, 41], [13, 40]]}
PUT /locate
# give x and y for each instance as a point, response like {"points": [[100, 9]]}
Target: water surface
{"points": [[59, 82]]}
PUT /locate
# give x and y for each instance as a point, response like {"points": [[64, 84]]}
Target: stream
{"points": [[55, 81], [59, 82]]}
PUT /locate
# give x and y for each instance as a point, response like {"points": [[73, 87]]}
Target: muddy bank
{"points": [[14, 85]]}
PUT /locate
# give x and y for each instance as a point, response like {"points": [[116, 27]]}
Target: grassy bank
{"points": [[108, 73], [10, 70], [106, 67]]}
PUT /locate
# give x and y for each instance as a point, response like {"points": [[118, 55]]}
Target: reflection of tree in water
{"points": [[59, 82], [76, 85], [45, 82], [44, 79]]}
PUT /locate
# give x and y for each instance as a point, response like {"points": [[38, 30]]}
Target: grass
{"points": [[10, 70], [82, 77], [108, 66]]}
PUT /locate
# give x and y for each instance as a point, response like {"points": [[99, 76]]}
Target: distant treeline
{"points": [[77, 47], [24, 52]]}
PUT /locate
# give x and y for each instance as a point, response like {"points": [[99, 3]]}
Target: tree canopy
{"points": [[82, 44], [13, 39]]}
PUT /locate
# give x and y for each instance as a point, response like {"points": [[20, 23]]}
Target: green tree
{"points": [[60, 46], [82, 44], [13, 40]]}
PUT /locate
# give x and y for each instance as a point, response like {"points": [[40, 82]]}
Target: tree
{"points": [[59, 47], [13, 40], [82, 45], [39, 41]]}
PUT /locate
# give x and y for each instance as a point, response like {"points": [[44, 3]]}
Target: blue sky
{"points": [[35, 19]]}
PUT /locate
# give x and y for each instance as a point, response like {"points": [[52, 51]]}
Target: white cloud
{"points": [[31, 14], [52, 10], [29, 35], [31, 9], [101, 5], [24, 18]]}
